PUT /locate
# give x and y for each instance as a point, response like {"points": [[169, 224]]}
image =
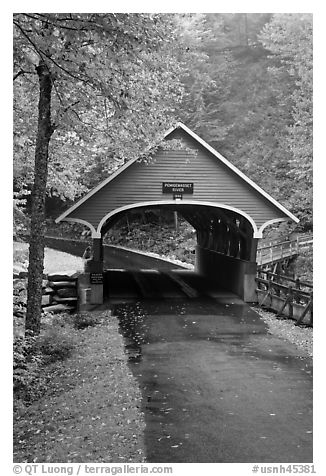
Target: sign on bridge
{"points": [[178, 187]]}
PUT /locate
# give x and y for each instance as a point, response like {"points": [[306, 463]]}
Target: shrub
{"points": [[303, 265], [27, 361], [55, 345], [83, 320], [31, 354]]}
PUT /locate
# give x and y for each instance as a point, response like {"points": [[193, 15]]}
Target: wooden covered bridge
{"points": [[228, 210]]}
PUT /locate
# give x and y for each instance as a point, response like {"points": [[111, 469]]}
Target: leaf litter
{"points": [[91, 410]]}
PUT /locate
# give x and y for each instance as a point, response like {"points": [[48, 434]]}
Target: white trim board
{"points": [[256, 232]]}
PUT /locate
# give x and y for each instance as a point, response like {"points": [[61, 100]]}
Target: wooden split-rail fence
{"points": [[290, 298]]}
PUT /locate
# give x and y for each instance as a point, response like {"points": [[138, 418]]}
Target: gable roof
{"points": [[219, 156]]}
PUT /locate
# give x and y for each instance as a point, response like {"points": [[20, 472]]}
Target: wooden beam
{"points": [[230, 223]]}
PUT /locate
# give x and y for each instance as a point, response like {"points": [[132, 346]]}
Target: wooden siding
{"points": [[213, 182]]}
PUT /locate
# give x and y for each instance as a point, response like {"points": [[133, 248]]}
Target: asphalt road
{"points": [[216, 386]]}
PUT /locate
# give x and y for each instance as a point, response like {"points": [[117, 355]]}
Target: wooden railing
{"points": [[278, 251], [290, 298]]}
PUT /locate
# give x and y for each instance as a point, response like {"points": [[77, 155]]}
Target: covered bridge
{"points": [[228, 210]]}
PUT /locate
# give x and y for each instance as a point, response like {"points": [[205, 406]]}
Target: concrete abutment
{"points": [[231, 274]]}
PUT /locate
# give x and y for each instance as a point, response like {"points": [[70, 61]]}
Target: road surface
{"points": [[217, 387]]}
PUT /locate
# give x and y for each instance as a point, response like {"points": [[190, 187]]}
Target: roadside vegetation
{"points": [[302, 267], [74, 398]]}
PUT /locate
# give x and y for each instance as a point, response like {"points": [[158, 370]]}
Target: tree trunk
{"points": [[36, 246], [176, 221]]}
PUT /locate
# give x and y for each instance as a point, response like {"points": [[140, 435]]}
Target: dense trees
{"points": [[111, 83], [109, 77], [114, 87], [254, 103], [289, 38]]}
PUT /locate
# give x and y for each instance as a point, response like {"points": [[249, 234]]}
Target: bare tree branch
{"points": [[51, 21], [88, 124], [22, 71], [66, 109]]}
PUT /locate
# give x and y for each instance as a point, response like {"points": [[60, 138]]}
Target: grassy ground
{"points": [[89, 411], [75, 399]]}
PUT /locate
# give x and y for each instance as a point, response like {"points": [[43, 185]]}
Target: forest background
{"points": [[243, 82]]}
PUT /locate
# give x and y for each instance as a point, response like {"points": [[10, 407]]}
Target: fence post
{"points": [[291, 302], [297, 285], [309, 307], [288, 302], [268, 290]]}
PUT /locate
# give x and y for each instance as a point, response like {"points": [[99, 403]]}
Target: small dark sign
{"points": [[178, 187], [177, 196], [96, 278]]}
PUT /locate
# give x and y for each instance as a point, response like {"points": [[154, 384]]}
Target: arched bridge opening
{"points": [[225, 247]]}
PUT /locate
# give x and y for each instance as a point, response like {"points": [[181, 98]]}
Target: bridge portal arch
{"points": [[228, 210], [178, 206]]}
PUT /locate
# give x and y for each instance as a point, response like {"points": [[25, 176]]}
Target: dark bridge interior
{"points": [[217, 229], [223, 252]]}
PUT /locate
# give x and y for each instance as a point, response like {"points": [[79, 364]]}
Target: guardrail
{"points": [[302, 239], [290, 298], [279, 251]]}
